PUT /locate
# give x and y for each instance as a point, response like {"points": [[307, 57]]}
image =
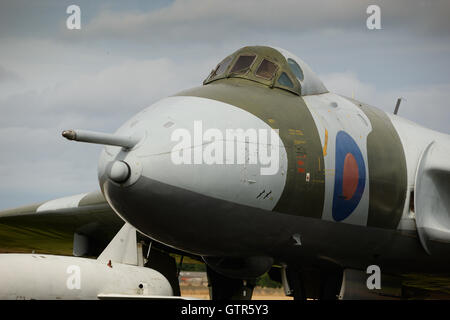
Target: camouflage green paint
{"points": [[21, 211], [23, 229], [53, 232], [287, 112], [261, 53], [387, 170]]}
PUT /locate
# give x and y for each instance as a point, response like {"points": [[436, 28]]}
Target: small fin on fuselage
{"points": [[122, 248]]}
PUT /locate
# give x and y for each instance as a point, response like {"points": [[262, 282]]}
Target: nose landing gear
{"points": [[225, 288], [305, 284]]}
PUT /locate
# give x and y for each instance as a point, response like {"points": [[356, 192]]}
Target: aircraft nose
{"points": [[187, 172]]}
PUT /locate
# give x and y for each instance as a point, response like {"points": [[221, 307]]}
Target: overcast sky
{"points": [[128, 54]]}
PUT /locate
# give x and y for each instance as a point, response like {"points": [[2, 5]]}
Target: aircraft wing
{"points": [[51, 226]]}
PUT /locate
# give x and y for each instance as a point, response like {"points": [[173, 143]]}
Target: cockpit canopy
{"points": [[273, 67]]}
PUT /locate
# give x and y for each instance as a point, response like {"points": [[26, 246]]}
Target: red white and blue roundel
{"points": [[350, 176]]}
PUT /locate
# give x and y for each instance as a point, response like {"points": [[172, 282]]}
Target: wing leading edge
{"points": [[50, 226]]}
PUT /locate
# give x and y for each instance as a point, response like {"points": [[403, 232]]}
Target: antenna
{"points": [[397, 106], [100, 138]]}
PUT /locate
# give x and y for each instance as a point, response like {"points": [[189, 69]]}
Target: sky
{"points": [[129, 54]]}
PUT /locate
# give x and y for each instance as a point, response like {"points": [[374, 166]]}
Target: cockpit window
{"points": [[222, 66], [243, 63], [295, 68], [266, 69], [284, 80]]}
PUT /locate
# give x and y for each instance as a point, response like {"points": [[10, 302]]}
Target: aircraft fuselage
{"points": [[340, 194]]}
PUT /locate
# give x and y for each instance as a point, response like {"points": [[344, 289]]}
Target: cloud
{"points": [[216, 21], [427, 105], [7, 76], [219, 20], [37, 164], [36, 157], [111, 93], [348, 84]]}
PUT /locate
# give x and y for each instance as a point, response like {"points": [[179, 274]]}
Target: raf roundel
{"points": [[350, 177]]}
